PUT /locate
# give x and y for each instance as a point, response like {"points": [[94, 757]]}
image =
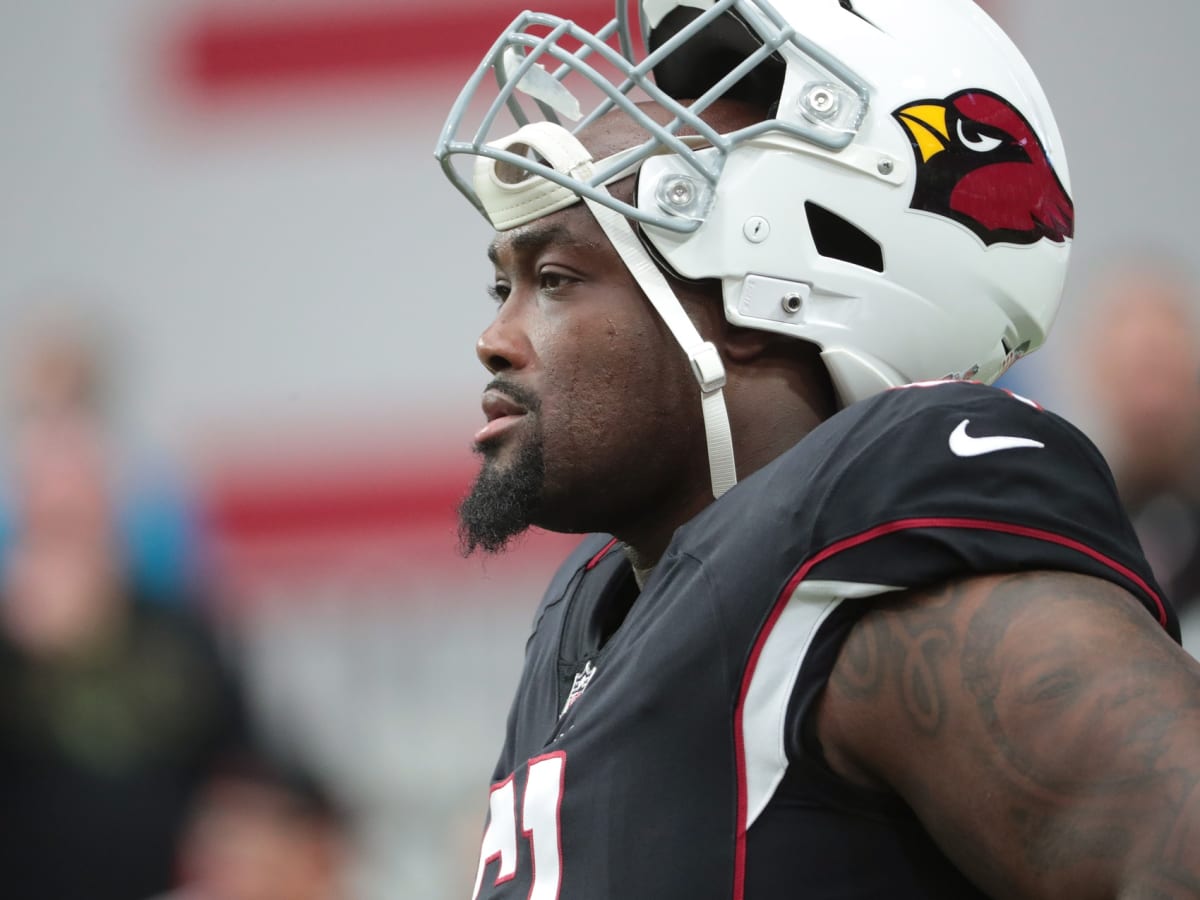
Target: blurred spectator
{"points": [[112, 709], [264, 830], [1140, 366], [59, 367]]}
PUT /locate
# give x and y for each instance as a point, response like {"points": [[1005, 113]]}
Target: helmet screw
{"points": [[680, 192], [791, 302], [756, 229], [886, 166], [822, 101]]}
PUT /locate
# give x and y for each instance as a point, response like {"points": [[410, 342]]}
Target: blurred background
{"points": [[238, 306]]}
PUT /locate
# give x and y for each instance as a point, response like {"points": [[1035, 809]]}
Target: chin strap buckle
{"points": [[707, 367]]}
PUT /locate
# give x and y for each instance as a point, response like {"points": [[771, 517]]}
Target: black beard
{"points": [[502, 502]]}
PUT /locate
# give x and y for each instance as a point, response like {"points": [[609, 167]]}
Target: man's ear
{"points": [[746, 344], [704, 303]]}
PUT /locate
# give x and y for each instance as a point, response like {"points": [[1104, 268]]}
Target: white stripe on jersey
{"points": [[764, 714]]}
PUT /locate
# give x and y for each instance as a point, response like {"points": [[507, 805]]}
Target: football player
{"points": [[851, 623]]}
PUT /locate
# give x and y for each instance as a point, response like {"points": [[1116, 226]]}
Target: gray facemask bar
{"points": [[532, 48]]}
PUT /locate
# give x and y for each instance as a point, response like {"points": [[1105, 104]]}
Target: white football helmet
{"points": [[905, 206]]}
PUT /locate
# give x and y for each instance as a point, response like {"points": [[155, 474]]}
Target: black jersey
{"points": [[667, 758]]}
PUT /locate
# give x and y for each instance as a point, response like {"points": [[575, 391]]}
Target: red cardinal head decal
{"points": [[980, 164]]}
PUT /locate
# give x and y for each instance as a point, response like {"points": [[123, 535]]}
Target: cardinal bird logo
{"points": [[980, 163]]}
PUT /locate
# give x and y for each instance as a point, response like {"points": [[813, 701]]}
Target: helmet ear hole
{"points": [[837, 238]]}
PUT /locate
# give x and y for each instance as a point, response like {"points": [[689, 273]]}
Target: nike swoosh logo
{"points": [[962, 444]]}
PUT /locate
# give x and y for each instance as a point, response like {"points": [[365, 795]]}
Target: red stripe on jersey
{"points": [[871, 534], [594, 561]]}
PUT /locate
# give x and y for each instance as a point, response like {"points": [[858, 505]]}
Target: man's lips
{"points": [[502, 413]]}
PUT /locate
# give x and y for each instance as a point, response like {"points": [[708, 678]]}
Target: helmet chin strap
{"points": [[566, 154], [702, 354]]}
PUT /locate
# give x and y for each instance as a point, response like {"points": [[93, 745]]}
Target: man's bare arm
{"points": [[1043, 726]]}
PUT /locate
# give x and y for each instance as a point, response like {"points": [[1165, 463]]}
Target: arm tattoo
{"points": [[1048, 705], [1052, 709], [904, 644]]}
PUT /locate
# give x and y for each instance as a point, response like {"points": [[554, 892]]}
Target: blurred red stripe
{"points": [[226, 50], [300, 504], [335, 523]]}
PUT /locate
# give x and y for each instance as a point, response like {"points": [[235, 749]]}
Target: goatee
{"points": [[502, 502]]}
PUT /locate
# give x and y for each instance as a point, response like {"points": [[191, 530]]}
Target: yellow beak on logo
{"points": [[926, 122]]}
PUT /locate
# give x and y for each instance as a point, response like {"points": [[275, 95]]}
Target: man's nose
{"points": [[503, 344]]}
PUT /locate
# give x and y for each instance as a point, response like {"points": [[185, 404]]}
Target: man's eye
{"points": [[552, 281], [498, 292]]}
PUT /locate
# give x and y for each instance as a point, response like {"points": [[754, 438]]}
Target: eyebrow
{"points": [[535, 239]]}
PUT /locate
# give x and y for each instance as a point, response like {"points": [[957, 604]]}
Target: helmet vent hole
{"points": [[711, 54], [836, 238]]}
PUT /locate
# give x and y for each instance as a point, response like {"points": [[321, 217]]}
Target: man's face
{"points": [[593, 412]]}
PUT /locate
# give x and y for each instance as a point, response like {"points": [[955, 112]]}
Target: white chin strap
{"points": [[535, 197]]}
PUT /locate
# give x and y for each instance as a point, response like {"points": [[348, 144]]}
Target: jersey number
{"points": [[539, 824]]}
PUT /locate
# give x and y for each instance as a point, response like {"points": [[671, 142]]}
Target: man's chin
{"points": [[504, 499]]}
